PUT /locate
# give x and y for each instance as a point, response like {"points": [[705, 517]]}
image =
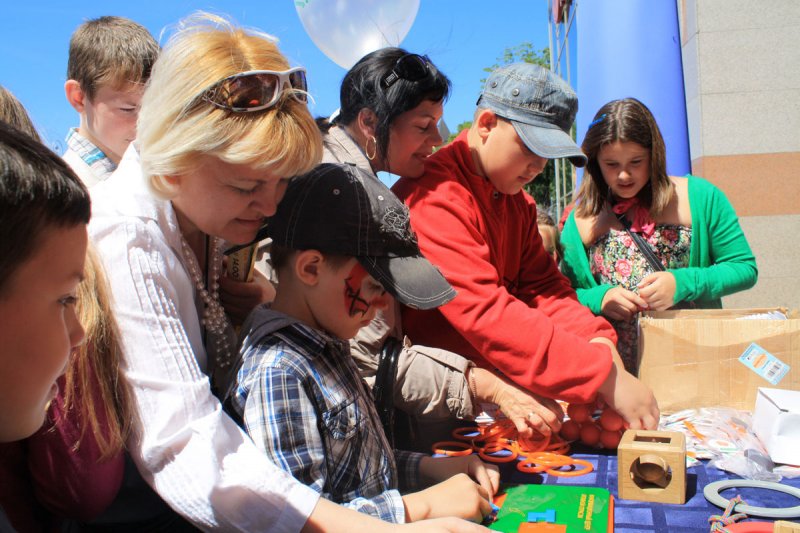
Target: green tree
{"points": [[543, 188]]}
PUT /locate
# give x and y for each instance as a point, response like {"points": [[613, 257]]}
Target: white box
{"points": [[777, 423]]}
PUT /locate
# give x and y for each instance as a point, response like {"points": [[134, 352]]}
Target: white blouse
{"points": [[192, 453]]}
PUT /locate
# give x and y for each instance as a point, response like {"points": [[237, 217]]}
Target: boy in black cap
{"points": [[341, 241], [514, 311]]}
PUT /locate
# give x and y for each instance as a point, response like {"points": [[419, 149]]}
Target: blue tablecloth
{"points": [[630, 515]]}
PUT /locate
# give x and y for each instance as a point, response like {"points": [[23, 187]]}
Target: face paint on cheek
{"points": [[353, 301]]}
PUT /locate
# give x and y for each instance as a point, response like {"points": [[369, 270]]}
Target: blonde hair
{"points": [[175, 125], [97, 361], [110, 51]]}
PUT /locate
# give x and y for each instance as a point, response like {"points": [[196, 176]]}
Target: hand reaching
{"points": [[658, 290], [238, 298], [442, 525], [631, 398], [528, 411], [457, 496], [621, 304], [437, 469]]}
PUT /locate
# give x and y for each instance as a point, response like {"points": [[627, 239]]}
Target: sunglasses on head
{"points": [[411, 67], [256, 90]]}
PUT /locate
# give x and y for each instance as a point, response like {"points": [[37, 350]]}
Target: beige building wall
{"points": [[741, 65]]}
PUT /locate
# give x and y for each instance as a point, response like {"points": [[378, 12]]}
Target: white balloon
{"points": [[347, 30]]}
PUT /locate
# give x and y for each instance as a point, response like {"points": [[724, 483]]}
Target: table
{"points": [[634, 516]]}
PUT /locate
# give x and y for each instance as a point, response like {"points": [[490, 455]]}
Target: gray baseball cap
{"points": [[539, 104]]}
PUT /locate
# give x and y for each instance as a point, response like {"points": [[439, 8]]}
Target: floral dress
{"points": [[616, 259]]}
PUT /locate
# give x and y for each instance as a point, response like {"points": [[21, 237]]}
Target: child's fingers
{"points": [[647, 280], [485, 502], [482, 474]]}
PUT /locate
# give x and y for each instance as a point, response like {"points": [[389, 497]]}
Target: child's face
{"points": [[507, 163], [625, 167], [412, 138], [548, 234], [109, 119], [227, 200], [39, 329], [349, 298]]}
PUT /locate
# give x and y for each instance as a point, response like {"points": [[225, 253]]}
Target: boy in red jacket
{"points": [[514, 311]]}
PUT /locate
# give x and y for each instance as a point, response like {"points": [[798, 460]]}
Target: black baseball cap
{"points": [[343, 210]]}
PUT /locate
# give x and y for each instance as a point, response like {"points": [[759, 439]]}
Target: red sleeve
{"points": [[537, 336], [70, 483]]}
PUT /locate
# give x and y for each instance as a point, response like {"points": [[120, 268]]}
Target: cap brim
{"points": [[552, 143], [413, 281]]}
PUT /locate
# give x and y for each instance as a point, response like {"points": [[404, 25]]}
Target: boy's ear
{"points": [[485, 122], [75, 95], [367, 122], [307, 266]]}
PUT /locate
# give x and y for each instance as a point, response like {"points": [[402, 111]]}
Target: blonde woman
{"points": [[223, 125]]}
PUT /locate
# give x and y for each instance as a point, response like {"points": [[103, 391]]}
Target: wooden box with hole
{"points": [[652, 466]]}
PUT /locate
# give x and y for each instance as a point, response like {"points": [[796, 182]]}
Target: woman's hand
{"points": [[621, 304], [240, 297], [435, 469], [658, 290], [527, 410]]}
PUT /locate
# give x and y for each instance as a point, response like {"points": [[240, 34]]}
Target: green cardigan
{"points": [[720, 261]]}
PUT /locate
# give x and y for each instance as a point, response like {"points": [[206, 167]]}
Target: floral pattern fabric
{"points": [[616, 259]]}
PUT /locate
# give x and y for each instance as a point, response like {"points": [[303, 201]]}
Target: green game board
{"points": [[577, 508]]}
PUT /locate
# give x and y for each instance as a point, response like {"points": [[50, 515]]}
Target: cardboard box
{"points": [[690, 357], [777, 423]]}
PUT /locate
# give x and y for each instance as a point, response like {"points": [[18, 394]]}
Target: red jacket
{"points": [[514, 310]]}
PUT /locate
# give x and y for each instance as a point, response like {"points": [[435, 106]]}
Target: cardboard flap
{"points": [[690, 357]]}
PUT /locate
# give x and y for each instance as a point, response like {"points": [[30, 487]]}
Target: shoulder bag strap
{"points": [[383, 389], [643, 246]]}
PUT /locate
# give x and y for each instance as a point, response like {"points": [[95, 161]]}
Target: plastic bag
{"points": [[725, 437]]}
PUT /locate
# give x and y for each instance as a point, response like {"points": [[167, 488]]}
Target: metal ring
{"points": [[712, 494]]}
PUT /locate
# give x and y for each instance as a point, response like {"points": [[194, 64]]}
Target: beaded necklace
{"points": [[214, 320]]}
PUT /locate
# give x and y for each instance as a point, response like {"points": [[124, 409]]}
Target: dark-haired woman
{"points": [[391, 104]]}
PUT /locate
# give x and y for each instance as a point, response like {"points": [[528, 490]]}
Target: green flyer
{"points": [[571, 509]]}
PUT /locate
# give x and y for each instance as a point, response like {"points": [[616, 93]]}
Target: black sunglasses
{"points": [[411, 67], [255, 90]]}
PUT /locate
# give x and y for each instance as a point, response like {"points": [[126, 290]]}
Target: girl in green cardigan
{"points": [[687, 222]]}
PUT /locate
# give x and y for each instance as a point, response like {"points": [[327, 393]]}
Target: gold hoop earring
{"points": [[366, 148]]}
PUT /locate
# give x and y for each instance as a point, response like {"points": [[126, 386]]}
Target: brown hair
{"points": [[110, 51], [280, 257], [98, 361], [625, 120], [38, 191], [12, 112], [543, 219]]}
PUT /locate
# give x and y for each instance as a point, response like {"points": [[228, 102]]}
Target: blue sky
{"points": [[461, 38]]}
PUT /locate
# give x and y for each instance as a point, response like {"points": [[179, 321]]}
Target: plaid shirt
{"points": [[300, 397], [93, 156]]}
